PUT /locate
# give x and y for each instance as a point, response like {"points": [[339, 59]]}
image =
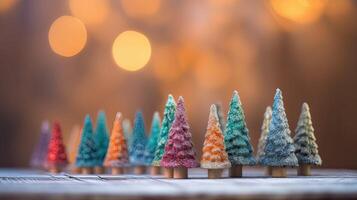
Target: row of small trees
{"points": [[226, 145]]}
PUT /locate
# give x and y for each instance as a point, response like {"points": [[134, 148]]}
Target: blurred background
{"points": [[62, 59]]}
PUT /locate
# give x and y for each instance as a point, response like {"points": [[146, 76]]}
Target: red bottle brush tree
{"points": [[56, 157]]}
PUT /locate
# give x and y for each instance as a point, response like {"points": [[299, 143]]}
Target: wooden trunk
{"points": [[155, 170], [214, 173], [278, 172], [180, 173], [128, 170], [76, 170], [268, 171], [117, 170], [99, 170], [139, 170], [235, 171], [87, 170], [304, 170], [54, 170], [168, 172]]}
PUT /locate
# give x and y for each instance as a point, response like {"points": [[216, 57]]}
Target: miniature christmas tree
{"points": [[128, 130], [39, 156], [138, 144], [168, 118], [101, 138], [152, 143], [214, 157], [73, 144], [220, 114], [87, 152], [279, 149], [264, 133], [179, 152], [237, 141], [56, 156], [305, 142], [117, 155]]}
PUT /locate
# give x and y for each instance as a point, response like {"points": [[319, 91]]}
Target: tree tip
{"points": [[213, 111], [236, 96], [213, 108], [87, 119], [118, 116], [305, 106], [170, 99], [45, 124], [139, 114], [268, 110], [278, 93], [156, 114], [180, 100]]}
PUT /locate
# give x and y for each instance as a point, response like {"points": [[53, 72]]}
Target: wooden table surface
{"points": [[30, 184]]}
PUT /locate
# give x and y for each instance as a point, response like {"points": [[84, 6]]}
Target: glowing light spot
{"points": [[299, 11], [131, 50], [90, 11], [67, 36], [6, 5], [140, 8]]}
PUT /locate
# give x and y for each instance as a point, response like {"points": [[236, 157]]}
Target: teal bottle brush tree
{"points": [[138, 145], [152, 143], [279, 149], [263, 137], [305, 143], [168, 118], [101, 138], [87, 151], [236, 138]]}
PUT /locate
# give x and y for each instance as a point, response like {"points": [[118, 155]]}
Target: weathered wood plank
{"points": [[36, 184]]}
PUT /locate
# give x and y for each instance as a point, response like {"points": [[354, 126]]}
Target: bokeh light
{"points": [[298, 11], [131, 50], [67, 36], [6, 5], [140, 8], [90, 11]]}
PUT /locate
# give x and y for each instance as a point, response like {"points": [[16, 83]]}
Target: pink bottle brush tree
{"points": [[179, 151]]}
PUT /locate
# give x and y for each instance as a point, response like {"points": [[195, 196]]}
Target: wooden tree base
{"points": [[180, 173], [235, 171], [87, 170], [214, 173], [99, 170], [268, 171], [117, 170], [128, 170], [54, 170], [168, 172], [278, 172], [139, 170], [304, 170], [76, 170], [155, 170]]}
